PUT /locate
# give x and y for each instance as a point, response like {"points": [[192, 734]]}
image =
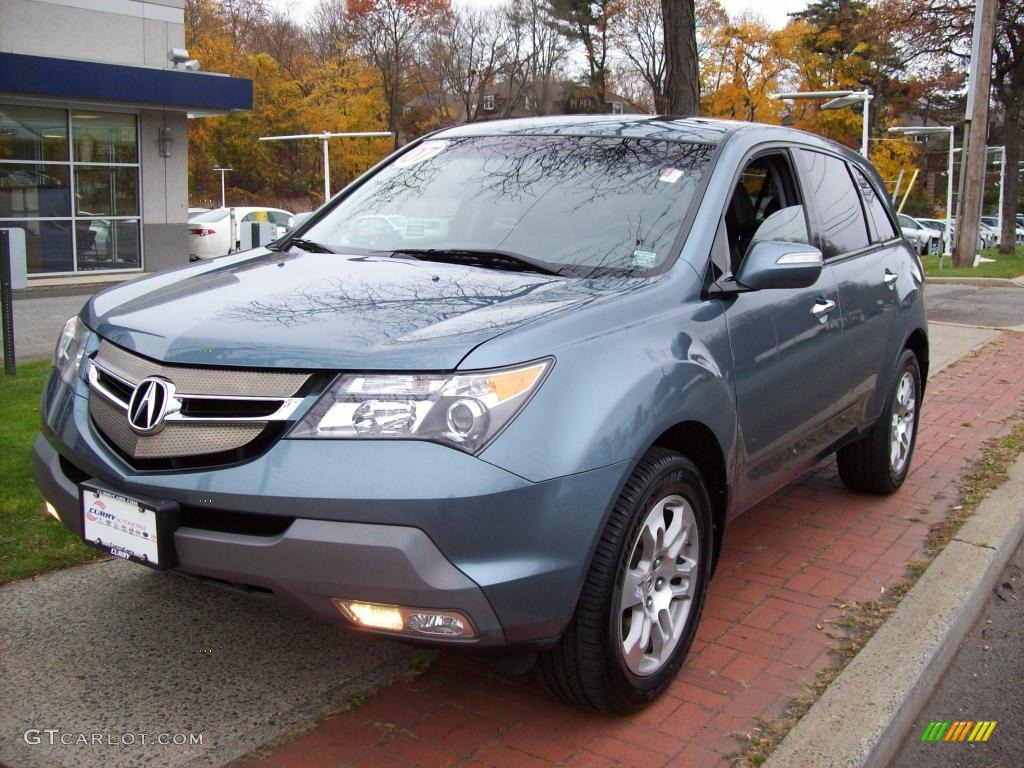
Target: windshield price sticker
{"points": [[671, 175], [644, 258], [424, 151]]}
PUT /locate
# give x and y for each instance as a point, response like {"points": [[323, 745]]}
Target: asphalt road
{"points": [[973, 305], [118, 650], [984, 682], [38, 317]]}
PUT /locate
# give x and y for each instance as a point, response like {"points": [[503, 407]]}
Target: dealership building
{"points": [[94, 132]]}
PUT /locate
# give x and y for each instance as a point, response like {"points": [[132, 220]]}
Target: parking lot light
{"points": [[837, 100], [922, 130]]}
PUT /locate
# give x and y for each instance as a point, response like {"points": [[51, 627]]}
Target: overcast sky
{"points": [[774, 11]]}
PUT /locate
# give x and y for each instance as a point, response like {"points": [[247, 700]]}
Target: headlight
{"points": [[464, 410], [67, 357]]}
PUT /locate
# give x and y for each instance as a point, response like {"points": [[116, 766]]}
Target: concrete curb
{"points": [[983, 282], [865, 714]]}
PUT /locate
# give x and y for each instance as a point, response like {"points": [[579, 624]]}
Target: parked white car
{"points": [[925, 239], [210, 232], [988, 234], [984, 239], [193, 212], [993, 223], [298, 218]]}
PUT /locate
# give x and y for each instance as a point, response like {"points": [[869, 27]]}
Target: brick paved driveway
{"points": [[786, 567]]}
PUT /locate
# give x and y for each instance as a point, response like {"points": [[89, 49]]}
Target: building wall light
{"points": [[165, 139]]}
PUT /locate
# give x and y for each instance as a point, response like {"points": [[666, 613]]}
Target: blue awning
{"points": [[74, 79]]}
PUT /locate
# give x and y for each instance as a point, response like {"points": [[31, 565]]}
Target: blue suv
{"points": [[506, 389]]}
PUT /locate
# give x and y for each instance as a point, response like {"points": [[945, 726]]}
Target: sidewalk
{"points": [[786, 567]]}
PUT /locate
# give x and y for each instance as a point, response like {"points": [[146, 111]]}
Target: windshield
{"points": [[579, 205], [210, 216]]}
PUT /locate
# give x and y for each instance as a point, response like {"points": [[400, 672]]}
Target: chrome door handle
{"points": [[890, 278], [821, 309]]}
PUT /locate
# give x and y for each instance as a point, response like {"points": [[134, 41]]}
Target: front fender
{"points": [[611, 395]]}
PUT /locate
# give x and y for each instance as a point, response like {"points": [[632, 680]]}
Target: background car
{"points": [[993, 223], [940, 226], [988, 234], [210, 232], [193, 212], [925, 239]]}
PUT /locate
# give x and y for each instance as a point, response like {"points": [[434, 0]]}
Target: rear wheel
{"points": [[879, 461], [642, 599]]}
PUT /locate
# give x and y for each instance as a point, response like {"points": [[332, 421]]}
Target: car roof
{"points": [[688, 129], [694, 129]]}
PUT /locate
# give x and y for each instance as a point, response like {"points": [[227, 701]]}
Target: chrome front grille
{"points": [[175, 440], [209, 410]]}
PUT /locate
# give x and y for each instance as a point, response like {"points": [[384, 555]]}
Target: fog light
{"points": [[375, 616], [436, 624], [52, 511], [411, 621]]}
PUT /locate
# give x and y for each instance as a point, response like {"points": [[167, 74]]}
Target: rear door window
{"points": [[842, 224], [879, 223]]}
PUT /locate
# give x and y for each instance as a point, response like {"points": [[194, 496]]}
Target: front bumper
{"points": [[404, 522]]}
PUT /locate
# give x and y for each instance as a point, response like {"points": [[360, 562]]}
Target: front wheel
{"points": [[642, 598], [879, 461]]}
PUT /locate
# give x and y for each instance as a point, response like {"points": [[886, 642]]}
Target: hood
{"points": [[327, 311]]}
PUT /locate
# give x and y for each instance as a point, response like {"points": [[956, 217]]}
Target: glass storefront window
{"points": [[108, 244], [35, 190], [33, 133], [104, 137], [47, 244], [77, 201], [106, 189]]}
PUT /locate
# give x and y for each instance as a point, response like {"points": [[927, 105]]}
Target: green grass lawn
{"points": [[31, 541], [1003, 266]]}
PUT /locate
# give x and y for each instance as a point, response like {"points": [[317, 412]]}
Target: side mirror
{"points": [[776, 264]]}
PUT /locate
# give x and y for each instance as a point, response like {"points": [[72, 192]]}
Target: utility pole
{"points": [[973, 168]]}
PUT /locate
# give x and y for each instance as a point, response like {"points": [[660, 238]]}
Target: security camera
{"points": [[177, 56], [192, 65]]}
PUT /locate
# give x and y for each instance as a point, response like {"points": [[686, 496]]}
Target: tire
{"points": [[877, 462], [589, 666]]}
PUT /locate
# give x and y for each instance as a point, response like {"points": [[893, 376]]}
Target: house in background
{"points": [[508, 99], [94, 132]]}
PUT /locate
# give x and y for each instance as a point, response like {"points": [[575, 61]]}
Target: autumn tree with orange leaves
{"points": [[412, 66]]}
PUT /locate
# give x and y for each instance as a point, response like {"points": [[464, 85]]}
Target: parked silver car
{"points": [[924, 238]]}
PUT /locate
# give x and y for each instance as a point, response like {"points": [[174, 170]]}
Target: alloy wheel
{"points": [[659, 585]]}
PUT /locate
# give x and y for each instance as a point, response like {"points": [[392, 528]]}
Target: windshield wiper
{"points": [[307, 245], [479, 257]]}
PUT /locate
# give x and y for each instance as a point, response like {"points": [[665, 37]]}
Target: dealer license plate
{"points": [[124, 526]]}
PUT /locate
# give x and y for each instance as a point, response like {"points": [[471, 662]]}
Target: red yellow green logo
{"points": [[958, 730]]}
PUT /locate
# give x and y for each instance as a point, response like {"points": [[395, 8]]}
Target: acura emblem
{"points": [[148, 405]]}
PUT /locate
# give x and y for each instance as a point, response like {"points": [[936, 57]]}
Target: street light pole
{"points": [[222, 172], [837, 100], [864, 126], [948, 250], [323, 137], [1002, 184]]}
